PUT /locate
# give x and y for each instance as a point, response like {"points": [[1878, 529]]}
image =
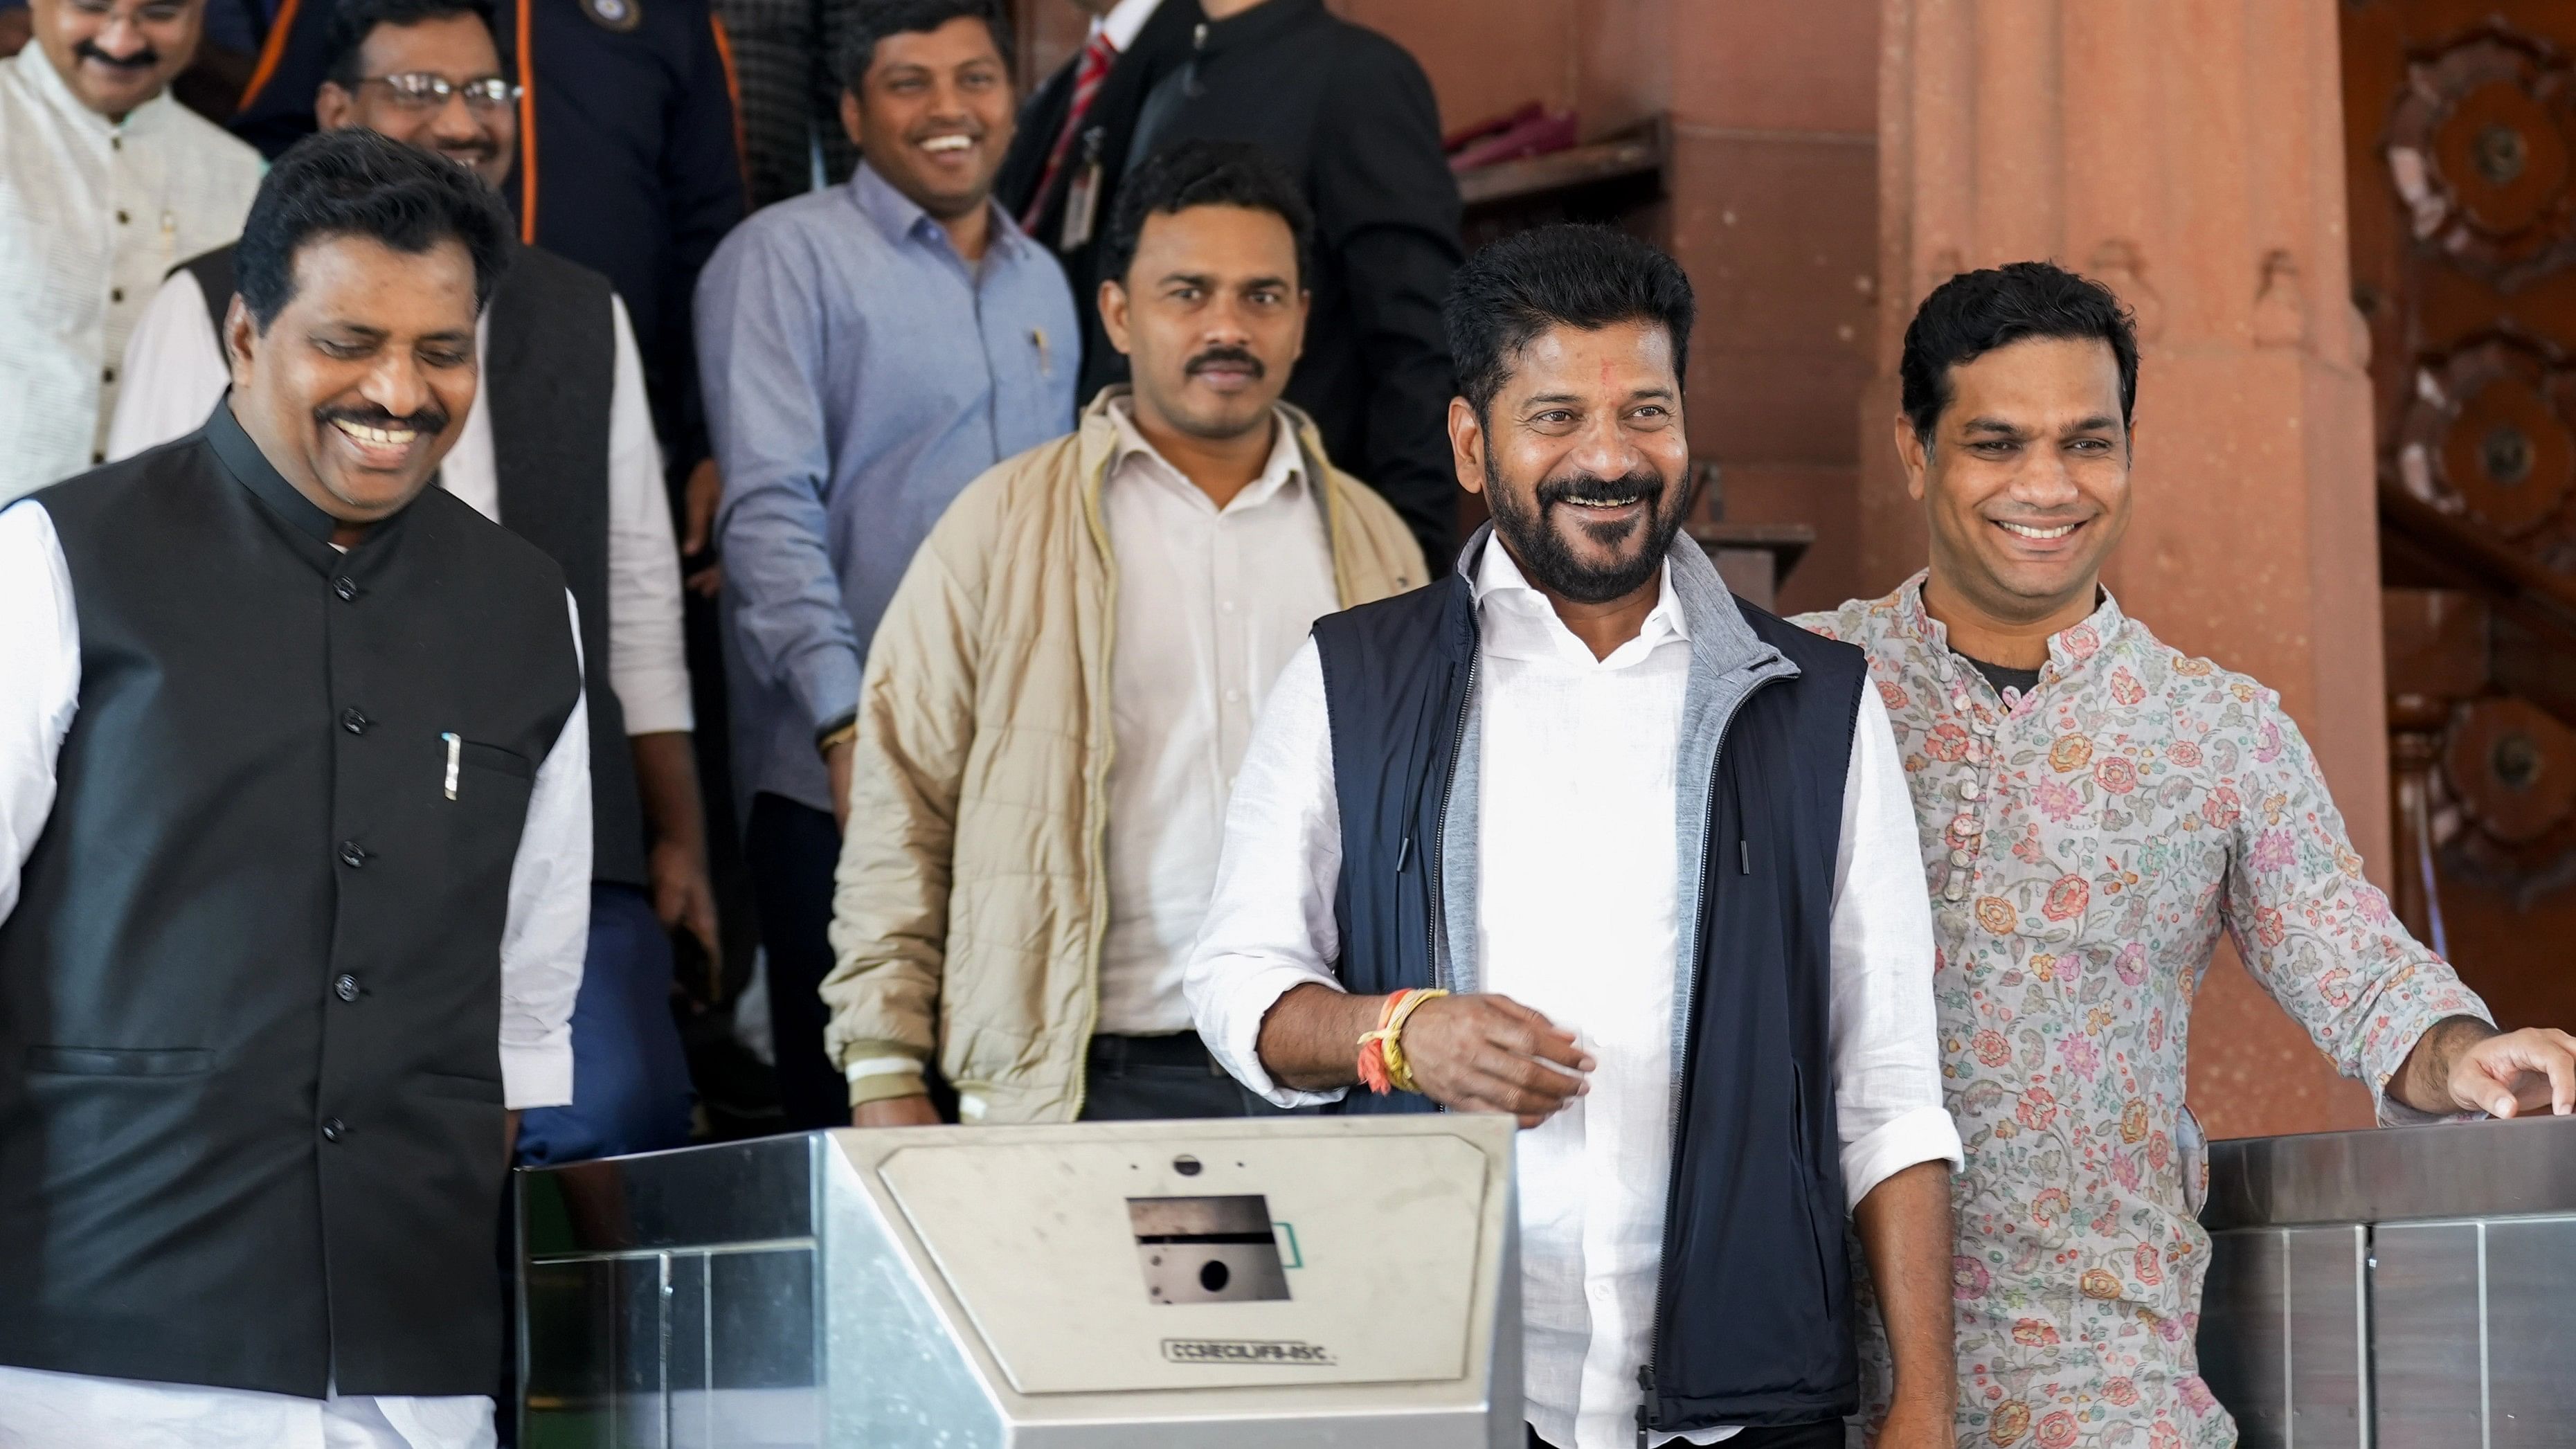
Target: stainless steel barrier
{"points": [[1223, 1285], [2410, 1288]]}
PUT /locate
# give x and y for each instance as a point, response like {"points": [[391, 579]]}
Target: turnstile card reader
{"points": [[1252, 1284]]}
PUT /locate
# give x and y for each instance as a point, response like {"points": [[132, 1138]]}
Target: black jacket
{"points": [[1349, 113], [1753, 1312], [251, 1113], [1161, 48], [636, 174]]}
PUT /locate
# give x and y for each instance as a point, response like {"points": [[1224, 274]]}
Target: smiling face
{"points": [[361, 383], [117, 54], [474, 132], [1582, 458], [1210, 316], [933, 115], [2026, 478]]}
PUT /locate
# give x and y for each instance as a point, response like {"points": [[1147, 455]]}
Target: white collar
{"points": [[1519, 622], [1286, 467], [1124, 21]]}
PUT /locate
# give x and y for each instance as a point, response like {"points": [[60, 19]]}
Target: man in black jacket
{"points": [[1453, 871], [1349, 113], [1069, 152], [294, 864]]}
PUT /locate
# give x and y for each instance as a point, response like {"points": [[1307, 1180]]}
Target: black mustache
{"points": [[1233, 356], [143, 59], [1593, 488], [427, 420]]}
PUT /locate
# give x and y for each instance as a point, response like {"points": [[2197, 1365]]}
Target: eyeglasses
{"points": [[423, 91]]}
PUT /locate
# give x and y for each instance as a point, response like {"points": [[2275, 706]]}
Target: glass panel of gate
{"points": [[763, 1349], [2425, 1333], [2531, 1280]]}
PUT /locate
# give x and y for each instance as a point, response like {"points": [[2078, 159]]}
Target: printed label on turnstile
{"points": [[1101, 1266]]}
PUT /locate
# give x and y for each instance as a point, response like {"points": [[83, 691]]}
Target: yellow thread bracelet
{"points": [[1399, 1073]]}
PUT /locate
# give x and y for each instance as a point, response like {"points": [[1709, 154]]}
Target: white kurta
{"points": [[93, 213]]}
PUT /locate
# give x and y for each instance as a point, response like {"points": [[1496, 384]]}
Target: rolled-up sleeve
{"points": [[1269, 927], [1886, 1036], [760, 351], [548, 929]]}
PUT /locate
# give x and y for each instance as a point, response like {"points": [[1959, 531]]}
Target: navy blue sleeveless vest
{"points": [[1753, 1320]]}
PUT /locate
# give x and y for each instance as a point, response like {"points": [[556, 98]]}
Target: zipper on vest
{"points": [[1435, 918], [1690, 1048]]}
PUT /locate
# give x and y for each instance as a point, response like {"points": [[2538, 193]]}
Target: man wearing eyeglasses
{"points": [[558, 447], [105, 182]]}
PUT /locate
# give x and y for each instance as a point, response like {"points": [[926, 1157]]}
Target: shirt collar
{"points": [[240, 456], [2068, 648], [1519, 622], [902, 219], [1124, 21], [48, 82], [1286, 468]]}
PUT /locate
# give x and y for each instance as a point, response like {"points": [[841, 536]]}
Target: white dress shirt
{"points": [[1211, 603], [1576, 917], [92, 213], [542, 943], [174, 372], [1123, 21]]}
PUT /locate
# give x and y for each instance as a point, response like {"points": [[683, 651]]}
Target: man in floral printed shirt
{"points": [[2095, 808]]}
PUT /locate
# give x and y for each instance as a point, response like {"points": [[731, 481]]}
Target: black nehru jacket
{"points": [[1351, 117], [1162, 46], [251, 1112], [549, 377]]}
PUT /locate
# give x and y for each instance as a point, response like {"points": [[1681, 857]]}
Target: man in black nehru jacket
{"points": [[294, 864]]}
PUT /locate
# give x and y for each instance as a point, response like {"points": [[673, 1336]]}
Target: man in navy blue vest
{"points": [[1650, 849]]}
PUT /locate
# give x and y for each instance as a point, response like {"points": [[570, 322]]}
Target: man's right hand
{"points": [[1492, 1054], [895, 1112]]}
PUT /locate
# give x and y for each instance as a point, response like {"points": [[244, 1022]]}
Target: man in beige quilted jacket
{"points": [[1063, 686]]}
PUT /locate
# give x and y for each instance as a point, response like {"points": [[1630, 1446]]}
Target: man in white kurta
{"points": [[106, 183]]}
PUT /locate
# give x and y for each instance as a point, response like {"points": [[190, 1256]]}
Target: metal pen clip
{"points": [[455, 749]]}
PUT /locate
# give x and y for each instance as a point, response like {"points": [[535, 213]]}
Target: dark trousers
{"points": [[1161, 1078], [630, 1079], [1827, 1435], [791, 850]]}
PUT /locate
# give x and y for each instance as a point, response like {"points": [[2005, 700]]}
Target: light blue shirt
{"points": [[858, 375]]}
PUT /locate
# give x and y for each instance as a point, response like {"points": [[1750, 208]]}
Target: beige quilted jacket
{"points": [[971, 896]]}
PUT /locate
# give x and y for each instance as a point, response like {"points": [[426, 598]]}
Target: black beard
{"points": [[1549, 560]]}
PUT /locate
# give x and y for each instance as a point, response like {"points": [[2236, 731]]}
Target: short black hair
{"points": [[1204, 173], [870, 21], [354, 182], [1565, 275], [352, 21], [1974, 313]]}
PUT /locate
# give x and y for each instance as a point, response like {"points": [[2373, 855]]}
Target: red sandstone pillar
{"points": [[2189, 154]]}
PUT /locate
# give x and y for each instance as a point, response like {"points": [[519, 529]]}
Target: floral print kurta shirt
{"points": [[2084, 844]]}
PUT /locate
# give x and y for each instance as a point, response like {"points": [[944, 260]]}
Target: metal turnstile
{"points": [[2410, 1288], [1241, 1284]]}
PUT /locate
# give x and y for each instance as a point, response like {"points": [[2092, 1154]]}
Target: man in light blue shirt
{"points": [[866, 350]]}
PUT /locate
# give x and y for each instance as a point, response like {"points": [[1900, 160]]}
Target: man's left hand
{"points": [[684, 897], [2515, 1073]]}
